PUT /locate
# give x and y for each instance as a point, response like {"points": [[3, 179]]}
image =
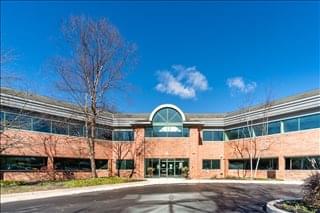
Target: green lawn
{"points": [[19, 186]]}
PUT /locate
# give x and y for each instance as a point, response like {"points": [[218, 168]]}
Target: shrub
{"points": [[150, 171], [311, 190], [185, 171]]}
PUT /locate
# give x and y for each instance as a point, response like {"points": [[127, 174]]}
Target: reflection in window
{"points": [[167, 122], [210, 164], [303, 163], [41, 125], [75, 164], [274, 128], [22, 163], [123, 135], [124, 164], [264, 164], [310, 122], [291, 125], [18, 121], [209, 135], [59, 128], [103, 133]]}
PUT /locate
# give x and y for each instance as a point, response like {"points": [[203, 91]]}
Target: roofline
{"points": [[291, 104]]}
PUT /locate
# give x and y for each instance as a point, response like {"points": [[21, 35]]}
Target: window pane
{"points": [[76, 130], [148, 132], [185, 132], [260, 129], [101, 164], [274, 128], [310, 122], [303, 163], [123, 135], [207, 136], [103, 133], [206, 164], [41, 125], [18, 121], [235, 164], [291, 125], [215, 164], [232, 134], [124, 164], [59, 128], [24, 163]]}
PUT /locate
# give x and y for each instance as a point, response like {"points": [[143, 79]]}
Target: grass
{"points": [[20, 186], [296, 206]]}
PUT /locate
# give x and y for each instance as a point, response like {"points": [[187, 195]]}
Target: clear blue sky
{"points": [[224, 50]]}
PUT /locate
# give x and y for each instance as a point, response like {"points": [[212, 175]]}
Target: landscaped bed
{"points": [[296, 206], [19, 186]]}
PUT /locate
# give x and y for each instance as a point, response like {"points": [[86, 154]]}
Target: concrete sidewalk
{"points": [[6, 198]]}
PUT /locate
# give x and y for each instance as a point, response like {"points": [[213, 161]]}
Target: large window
{"points": [[103, 133], [210, 164], [210, 135], [167, 122], [303, 163], [22, 163], [125, 164], [264, 164], [291, 125], [75, 164], [310, 122], [123, 135]]}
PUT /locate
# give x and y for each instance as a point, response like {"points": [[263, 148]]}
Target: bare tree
{"points": [[248, 146], [98, 64]]}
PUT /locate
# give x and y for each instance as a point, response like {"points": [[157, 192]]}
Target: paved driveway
{"points": [[210, 197]]}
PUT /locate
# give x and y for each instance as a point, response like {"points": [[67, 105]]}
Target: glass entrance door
{"points": [[155, 167], [163, 168], [171, 168]]}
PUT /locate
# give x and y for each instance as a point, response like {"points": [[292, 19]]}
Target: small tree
{"points": [[248, 146], [97, 65]]}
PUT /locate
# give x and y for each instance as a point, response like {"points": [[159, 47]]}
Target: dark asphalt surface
{"points": [[215, 197]]}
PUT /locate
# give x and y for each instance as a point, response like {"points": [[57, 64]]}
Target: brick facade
{"points": [[28, 143]]}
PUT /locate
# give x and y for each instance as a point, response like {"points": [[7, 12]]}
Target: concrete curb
{"points": [[272, 209], [6, 198]]}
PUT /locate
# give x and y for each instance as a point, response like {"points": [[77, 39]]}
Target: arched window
{"points": [[167, 122]]}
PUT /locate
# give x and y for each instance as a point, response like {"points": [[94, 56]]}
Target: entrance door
{"points": [[171, 168], [163, 168]]}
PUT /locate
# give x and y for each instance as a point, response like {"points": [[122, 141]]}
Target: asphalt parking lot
{"points": [[203, 197]]}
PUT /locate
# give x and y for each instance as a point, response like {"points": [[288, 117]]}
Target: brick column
{"points": [[194, 153]]}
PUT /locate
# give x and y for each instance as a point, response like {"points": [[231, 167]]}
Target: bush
{"points": [[185, 172], [311, 190]]}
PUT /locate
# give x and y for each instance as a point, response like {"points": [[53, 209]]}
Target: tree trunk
{"points": [[92, 149]]}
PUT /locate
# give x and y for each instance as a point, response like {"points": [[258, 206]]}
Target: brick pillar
{"points": [[194, 153], [140, 151], [281, 169]]}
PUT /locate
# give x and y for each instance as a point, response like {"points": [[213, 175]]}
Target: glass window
{"points": [[264, 164], [274, 128], [103, 133], [291, 125], [101, 164], [261, 129], [148, 132], [18, 121], [232, 134], [244, 132], [303, 163], [123, 135], [125, 164], [41, 125], [1, 120], [212, 135], [210, 164], [310, 122], [76, 130], [22, 163], [167, 122], [70, 164], [59, 128]]}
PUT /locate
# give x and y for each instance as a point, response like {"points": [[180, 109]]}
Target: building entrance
{"points": [[155, 167]]}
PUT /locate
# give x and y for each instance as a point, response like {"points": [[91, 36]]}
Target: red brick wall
{"points": [[41, 144]]}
